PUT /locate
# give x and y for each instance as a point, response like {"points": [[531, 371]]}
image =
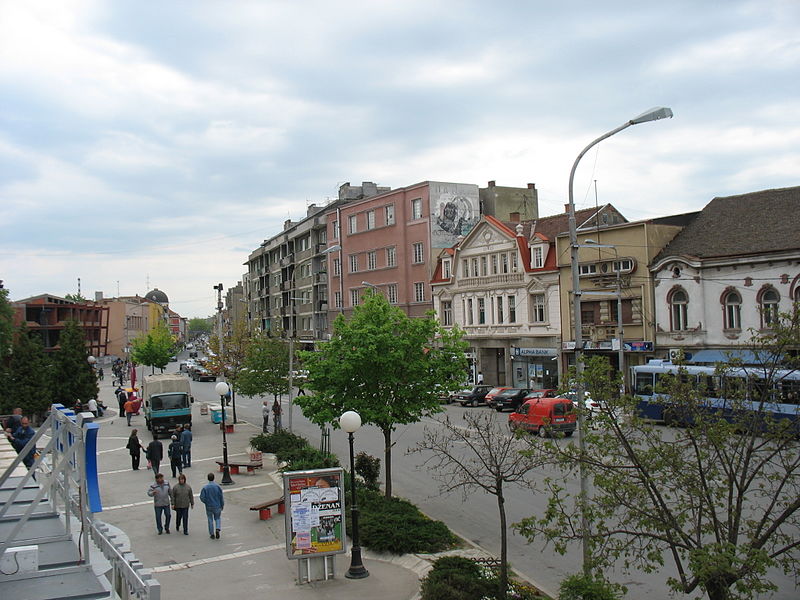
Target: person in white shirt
{"points": [[93, 406]]}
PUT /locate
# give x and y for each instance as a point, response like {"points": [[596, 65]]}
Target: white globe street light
{"points": [[222, 389], [350, 421]]}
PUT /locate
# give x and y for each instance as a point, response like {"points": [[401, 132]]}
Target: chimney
{"points": [[287, 224], [531, 186], [491, 183], [514, 217]]}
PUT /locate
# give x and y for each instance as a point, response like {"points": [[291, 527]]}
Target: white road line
{"points": [[227, 491], [213, 559], [194, 460]]}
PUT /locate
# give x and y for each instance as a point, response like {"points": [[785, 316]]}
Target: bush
{"points": [[455, 578], [586, 587], [274, 442], [294, 450], [369, 468]]}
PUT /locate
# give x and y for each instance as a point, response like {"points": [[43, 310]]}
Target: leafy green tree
{"points": [[266, 366], [154, 348], [6, 337], [73, 377], [720, 497], [75, 298], [198, 325], [386, 366], [30, 375], [229, 361]]}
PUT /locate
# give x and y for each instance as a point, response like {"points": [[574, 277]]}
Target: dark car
{"points": [[510, 398], [473, 396], [203, 374]]}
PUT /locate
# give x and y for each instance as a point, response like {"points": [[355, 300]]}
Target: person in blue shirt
{"points": [[20, 437], [186, 443], [211, 496]]}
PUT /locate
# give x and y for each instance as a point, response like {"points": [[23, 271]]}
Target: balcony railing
{"points": [[491, 280]]}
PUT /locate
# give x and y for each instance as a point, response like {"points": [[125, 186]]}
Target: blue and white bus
{"points": [[746, 384]]}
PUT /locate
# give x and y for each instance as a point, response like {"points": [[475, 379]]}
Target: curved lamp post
{"points": [[222, 389], [654, 114], [350, 421]]}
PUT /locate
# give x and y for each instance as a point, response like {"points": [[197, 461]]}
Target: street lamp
{"points": [[653, 114], [222, 389], [350, 421]]}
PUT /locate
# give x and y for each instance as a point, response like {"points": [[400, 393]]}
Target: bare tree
{"points": [[478, 455]]}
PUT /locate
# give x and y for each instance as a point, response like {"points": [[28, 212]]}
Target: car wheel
{"points": [[464, 404], [543, 432], [511, 427], [567, 434], [499, 409], [474, 402]]}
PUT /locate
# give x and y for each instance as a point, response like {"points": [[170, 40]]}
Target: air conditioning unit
{"points": [[675, 354]]}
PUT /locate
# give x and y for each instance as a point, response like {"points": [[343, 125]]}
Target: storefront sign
{"points": [[314, 512], [639, 346], [534, 352]]}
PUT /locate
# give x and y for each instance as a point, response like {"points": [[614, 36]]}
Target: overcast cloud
{"points": [[163, 141]]}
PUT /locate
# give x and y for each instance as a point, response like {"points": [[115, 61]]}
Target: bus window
{"points": [[644, 384], [790, 391], [733, 388], [708, 385]]}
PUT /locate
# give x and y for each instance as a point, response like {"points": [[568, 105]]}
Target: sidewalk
{"points": [[250, 556]]}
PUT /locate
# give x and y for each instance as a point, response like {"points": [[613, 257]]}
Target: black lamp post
{"points": [[350, 421], [222, 388]]}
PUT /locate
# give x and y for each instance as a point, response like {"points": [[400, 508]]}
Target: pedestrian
{"points": [[159, 492], [276, 415], [12, 422], [186, 443], [20, 437], [92, 404], [265, 417], [135, 448], [130, 408], [480, 377], [175, 453], [211, 496], [102, 375], [154, 454], [182, 499], [122, 398]]}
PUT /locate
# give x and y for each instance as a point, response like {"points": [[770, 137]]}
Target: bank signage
{"points": [[534, 352]]}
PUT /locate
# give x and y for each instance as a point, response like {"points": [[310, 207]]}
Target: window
{"points": [[391, 293], [733, 310], [447, 313], [391, 258], [513, 262], [494, 264], [481, 311], [337, 266], [335, 230], [465, 268], [469, 312], [390, 214], [538, 308], [587, 269], [353, 263], [484, 268], [352, 224], [303, 243], [337, 299], [446, 269], [679, 303], [622, 265], [474, 267], [370, 219], [372, 260], [323, 236], [504, 262], [276, 280], [512, 309], [419, 292], [538, 257], [419, 254], [355, 297], [769, 308], [500, 309], [305, 270], [416, 208]]}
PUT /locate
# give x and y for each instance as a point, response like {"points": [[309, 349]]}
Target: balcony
{"points": [[286, 285], [491, 280], [287, 260], [321, 277]]}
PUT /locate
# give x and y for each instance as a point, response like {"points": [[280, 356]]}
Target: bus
{"points": [[744, 386]]}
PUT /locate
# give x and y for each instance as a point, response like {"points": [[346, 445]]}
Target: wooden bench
{"points": [[264, 511], [251, 466]]}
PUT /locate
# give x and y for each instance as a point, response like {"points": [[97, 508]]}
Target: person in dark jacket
{"points": [[154, 453], [135, 448], [19, 439], [182, 498], [186, 443], [211, 496], [175, 453]]}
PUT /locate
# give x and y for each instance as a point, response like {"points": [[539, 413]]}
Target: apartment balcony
{"points": [[491, 280], [321, 277], [287, 260], [286, 285]]}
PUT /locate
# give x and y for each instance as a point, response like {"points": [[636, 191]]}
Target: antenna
{"points": [[79, 287]]}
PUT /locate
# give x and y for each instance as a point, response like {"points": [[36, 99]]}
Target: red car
{"points": [[492, 393], [544, 393]]}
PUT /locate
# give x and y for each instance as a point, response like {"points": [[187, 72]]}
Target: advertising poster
{"points": [[314, 512], [455, 210]]}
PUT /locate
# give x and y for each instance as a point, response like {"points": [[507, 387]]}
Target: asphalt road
{"points": [[475, 518]]}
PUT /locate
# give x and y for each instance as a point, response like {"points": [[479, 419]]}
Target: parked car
{"points": [[543, 393], [544, 416], [473, 396], [173, 358], [192, 354], [203, 374], [492, 393], [510, 398]]}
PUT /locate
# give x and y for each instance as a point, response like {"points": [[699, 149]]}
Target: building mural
{"points": [[455, 210]]}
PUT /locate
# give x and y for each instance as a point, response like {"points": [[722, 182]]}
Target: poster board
{"points": [[314, 517]]}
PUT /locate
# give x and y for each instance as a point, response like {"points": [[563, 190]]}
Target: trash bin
{"points": [[204, 408], [216, 413]]}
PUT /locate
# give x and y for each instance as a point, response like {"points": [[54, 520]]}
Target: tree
{"points": [[73, 377], [6, 337], [29, 384], [720, 497], [198, 326], [478, 455], [266, 367], [153, 349], [75, 298], [386, 366], [230, 361]]}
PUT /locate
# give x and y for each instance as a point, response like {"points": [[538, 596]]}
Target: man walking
{"points": [[265, 417], [186, 444], [130, 409], [154, 453], [211, 496], [159, 492]]}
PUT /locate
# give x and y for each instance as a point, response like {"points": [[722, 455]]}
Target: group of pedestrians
{"points": [[180, 499], [276, 411], [179, 450]]}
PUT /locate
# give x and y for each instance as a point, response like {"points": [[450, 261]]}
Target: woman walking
{"points": [[135, 448], [182, 499]]}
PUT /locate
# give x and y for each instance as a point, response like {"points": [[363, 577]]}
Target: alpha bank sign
{"points": [[534, 352]]}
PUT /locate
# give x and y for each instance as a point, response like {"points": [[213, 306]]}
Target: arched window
{"points": [[733, 310], [769, 307], [678, 303]]}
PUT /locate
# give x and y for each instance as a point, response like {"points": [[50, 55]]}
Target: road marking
{"points": [[213, 559], [194, 460], [227, 491]]}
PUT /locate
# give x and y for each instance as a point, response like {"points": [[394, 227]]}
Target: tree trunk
{"points": [[387, 460], [717, 591], [501, 505]]}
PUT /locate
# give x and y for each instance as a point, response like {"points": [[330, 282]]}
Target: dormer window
{"points": [[446, 268], [538, 257]]}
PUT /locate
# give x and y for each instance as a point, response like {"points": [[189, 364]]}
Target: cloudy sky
{"points": [[160, 142]]}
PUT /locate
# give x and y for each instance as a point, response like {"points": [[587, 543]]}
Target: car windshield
{"points": [[169, 401]]}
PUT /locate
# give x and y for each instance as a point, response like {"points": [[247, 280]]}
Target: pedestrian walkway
{"points": [[250, 555]]}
